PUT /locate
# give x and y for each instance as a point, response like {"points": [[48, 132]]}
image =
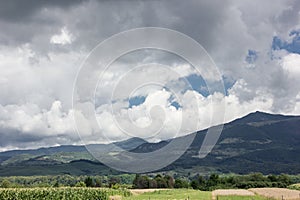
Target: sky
{"points": [[255, 45]]}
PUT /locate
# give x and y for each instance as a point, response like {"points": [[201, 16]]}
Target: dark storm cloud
{"points": [[19, 11], [16, 138], [31, 22], [92, 21]]}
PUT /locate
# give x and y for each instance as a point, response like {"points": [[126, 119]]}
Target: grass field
{"points": [[143, 194], [175, 194]]}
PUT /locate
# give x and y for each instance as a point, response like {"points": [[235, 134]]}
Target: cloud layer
{"points": [[255, 44]]}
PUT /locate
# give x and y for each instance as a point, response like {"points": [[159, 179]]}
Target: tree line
{"points": [[210, 182], [215, 181]]}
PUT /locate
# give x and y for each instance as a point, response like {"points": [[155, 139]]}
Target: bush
{"points": [[5, 184], [80, 184]]}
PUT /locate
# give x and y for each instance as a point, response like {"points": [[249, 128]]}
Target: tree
{"points": [[80, 184], [257, 177], [136, 180], [272, 178], [89, 182], [141, 182], [152, 183], [161, 182], [5, 183], [56, 184], [170, 181], [284, 179], [213, 180], [113, 181], [201, 183], [180, 183], [195, 184], [98, 182]]}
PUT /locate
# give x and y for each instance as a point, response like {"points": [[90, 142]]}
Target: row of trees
{"points": [[159, 181], [67, 180], [213, 181], [254, 180]]}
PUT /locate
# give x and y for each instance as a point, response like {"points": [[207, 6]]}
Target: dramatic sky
{"points": [[254, 43]]}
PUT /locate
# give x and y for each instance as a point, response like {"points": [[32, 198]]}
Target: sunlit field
{"points": [[175, 194]]}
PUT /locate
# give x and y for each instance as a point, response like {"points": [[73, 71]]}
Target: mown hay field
{"points": [[277, 193]]}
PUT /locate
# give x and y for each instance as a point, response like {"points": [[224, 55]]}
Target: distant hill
{"points": [[258, 142]]}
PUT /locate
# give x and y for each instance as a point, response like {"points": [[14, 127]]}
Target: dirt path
{"points": [[226, 192], [277, 193]]}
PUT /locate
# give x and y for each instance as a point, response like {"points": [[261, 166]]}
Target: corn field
{"points": [[59, 193]]}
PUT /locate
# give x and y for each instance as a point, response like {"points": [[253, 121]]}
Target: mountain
{"points": [[60, 160], [257, 117], [131, 143], [258, 142]]}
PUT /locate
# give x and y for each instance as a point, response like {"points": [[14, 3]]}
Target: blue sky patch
{"points": [[198, 84], [136, 100], [292, 47], [251, 56]]}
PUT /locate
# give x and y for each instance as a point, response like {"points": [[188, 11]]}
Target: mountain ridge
{"points": [[247, 144]]}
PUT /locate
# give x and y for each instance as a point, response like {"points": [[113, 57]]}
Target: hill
{"points": [[258, 142]]}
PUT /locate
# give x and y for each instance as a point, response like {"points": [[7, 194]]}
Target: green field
{"points": [[59, 193], [175, 194], [68, 193]]}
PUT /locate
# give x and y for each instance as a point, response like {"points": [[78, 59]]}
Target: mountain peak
{"points": [[259, 116], [130, 143]]}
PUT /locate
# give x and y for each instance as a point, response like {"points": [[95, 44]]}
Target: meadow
{"points": [[172, 194], [84, 193]]}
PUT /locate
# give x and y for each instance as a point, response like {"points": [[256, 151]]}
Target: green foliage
{"points": [[113, 181], [98, 182], [54, 194], [56, 184], [80, 184], [205, 183], [253, 180], [181, 183], [294, 186], [65, 180], [214, 181], [5, 183], [66, 193], [89, 182], [161, 182], [143, 181]]}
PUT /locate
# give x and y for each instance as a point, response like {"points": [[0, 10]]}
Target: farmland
{"points": [[82, 193], [171, 194], [224, 194], [277, 193], [59, 193]]}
